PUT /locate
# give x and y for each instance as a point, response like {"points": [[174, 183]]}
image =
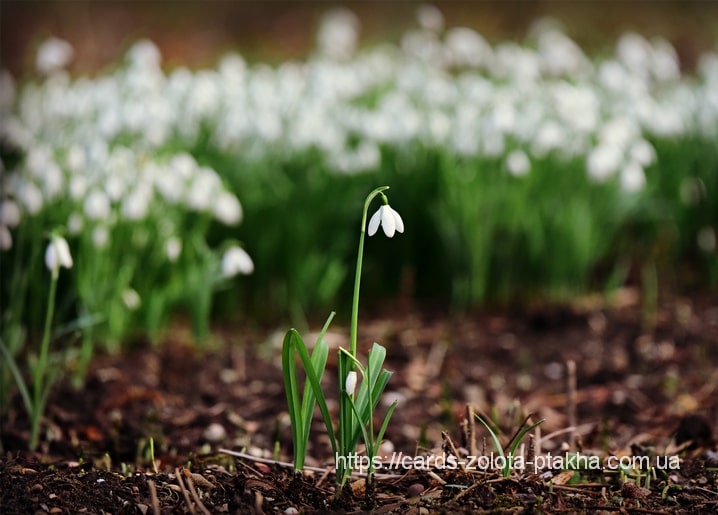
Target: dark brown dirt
{"points": [[642, 390]]}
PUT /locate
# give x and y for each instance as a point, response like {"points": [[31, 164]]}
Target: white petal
{"points": [[398, 221], [351, 382], [374, 222], [387, 221]]}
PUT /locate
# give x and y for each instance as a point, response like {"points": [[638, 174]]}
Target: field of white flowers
{"points": [[520, 168]]}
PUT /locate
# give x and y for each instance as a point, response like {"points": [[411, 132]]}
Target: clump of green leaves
{"points": [[356, 407]]}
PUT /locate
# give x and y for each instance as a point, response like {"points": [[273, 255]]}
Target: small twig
{"points": [[153, 497], [187, 500], [571, 404], [195, 496], [471, 430], [449, 446]]}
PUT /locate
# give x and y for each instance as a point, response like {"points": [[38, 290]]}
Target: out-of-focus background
{"points": [[194, 33], [211, 159]]}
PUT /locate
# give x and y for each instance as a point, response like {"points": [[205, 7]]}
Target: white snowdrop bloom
{"points": [[559, 53], [227, 209], [75, 224], [632, 178], [76, 159], [619, 131], [550, 136], [351, 383], [144, 54], [612, 75], [430, 18], [131, 299], [5, 238], [338, 33], [173, 248], [706, 239], [466, 47], [603, 162], [577, 106], [236, 261], [203, 189], [57, 254], [77, 186], [388, 218], [9, 213], [54, 54], [136, 205], [30, 197], [634, 52], [100, 236], [52, 180], [517, 163], [97, 205], [665, 61], [643, 153], [116, 185]]}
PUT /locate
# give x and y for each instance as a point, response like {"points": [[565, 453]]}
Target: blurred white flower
{"points": [[173, 248], [75, 224], [57, 254], [97, 206], [30, 197], [227, 209], [236, 261], [603, 162], [632, 178], [643, 153], [144, 54], [430, 18], [54, 54], [100, 236], [136, 205], [5, 238], [9, 213], [338, 33], [389, 219], [351, 383], [131, 299], [517, 163], [706, 239]]}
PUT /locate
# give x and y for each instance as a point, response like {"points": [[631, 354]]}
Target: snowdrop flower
{"points": [[173, 248], [97, 206], [131, 299], [518, 163], [339, 33], [100, 237], [389, 219], [5, 238], [53, 55], [632, 178], [57, 254], [227, 209], [706, 239], [236, 261], [9, 213], [351, 383]]}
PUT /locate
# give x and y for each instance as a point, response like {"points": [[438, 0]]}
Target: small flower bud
{"points": [[351, 382]]}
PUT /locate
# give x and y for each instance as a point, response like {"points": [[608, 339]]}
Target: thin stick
{"points": [[187, 500], [195, 496], [153, 496], [571, 398], [471, 430]]}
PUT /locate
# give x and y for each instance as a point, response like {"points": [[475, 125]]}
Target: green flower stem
{"points": [[357, 276], [41, 367]]}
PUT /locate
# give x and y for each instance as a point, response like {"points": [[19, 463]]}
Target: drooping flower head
{"points": [[388, 218], [57, 254]]}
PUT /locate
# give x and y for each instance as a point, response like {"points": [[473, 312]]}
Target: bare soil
{"points": [[645, 386]]}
